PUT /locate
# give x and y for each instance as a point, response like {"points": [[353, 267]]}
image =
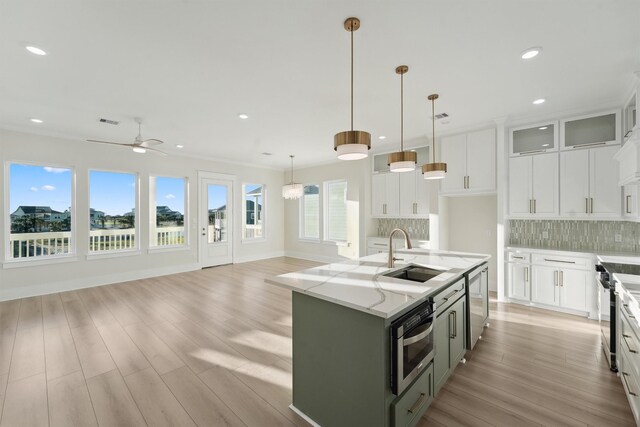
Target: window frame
{"points": [[119, 252], [243, 217], [50, 259], [187, 243], [325, 210], [301, 211]]}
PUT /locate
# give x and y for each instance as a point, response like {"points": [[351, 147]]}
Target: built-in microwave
{"points": [[411, 345]]}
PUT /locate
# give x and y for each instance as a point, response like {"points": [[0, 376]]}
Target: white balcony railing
{"points": [[37, 245]]}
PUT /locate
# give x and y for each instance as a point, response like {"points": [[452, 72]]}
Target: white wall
{"points": [[472, 228], [32, 280], [358, 176]]}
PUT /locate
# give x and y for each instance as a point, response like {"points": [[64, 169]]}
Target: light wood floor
{"points": [[213, 348]]}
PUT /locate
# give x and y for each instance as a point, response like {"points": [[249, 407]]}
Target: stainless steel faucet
{"points": [[407, 244]]}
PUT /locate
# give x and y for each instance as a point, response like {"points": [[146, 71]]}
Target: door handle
{"points": [[591, 210], [455, 324], [418, 403], [451, 335], [586, 205], [526, 274], [530, 205], [627, 209], [555, 278], [534, 206], [384, 208], [561, 278]]}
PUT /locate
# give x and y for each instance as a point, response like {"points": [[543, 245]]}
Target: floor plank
{"points": [[112, 402], [61, 357], [25, 403], [69, 402]]}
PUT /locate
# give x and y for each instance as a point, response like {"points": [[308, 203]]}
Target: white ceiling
{"points": [[189, 67]]}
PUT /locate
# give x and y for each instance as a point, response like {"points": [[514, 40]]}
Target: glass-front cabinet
{"points": [[590, 130], [534, 139]]}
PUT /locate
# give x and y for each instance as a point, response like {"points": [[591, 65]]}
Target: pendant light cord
{"points": [[433, 127], [291, 168], [402, 112], [352, 79]]}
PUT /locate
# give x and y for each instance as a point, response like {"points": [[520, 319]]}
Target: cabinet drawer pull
{"points": [[380, 244], [418, 403], [450, 295], [627, 312], [624, 338], [624, 377], [589, 144], [517, 257], [559, 260]]}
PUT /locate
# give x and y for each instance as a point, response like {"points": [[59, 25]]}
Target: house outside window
{"points": [[335, 209], [310, 212], [167, 207], [253, 218], [112, 213], [40, 212]]}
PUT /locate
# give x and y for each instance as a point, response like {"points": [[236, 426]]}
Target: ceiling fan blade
{"points": [[156, 151], [151, 142], [111, 143]]}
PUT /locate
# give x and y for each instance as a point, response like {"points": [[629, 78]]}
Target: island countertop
{"points": [[359, 284]]}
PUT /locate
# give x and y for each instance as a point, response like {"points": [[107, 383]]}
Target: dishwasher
{"points": [[477, 284]]}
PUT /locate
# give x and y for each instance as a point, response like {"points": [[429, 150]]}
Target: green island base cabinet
{"points": [[345, 354], [628, 342]]}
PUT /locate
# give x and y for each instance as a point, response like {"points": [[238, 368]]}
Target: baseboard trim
{"points": [[313, 257], [258, 257], [90, 282]]}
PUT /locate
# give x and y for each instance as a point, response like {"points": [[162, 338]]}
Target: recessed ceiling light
{"points": [[34, 120], [36, 50], [179, 146], [382, 137], [545, 145], [539, 101], [543, 128], [266, 154], [243, 116], [531, 53]]}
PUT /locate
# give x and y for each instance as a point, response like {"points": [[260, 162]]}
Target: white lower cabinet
{"points": [[552, 279], [519, 281]]}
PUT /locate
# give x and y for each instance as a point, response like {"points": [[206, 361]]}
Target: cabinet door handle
{"points": [[415, 208], [561, 278], [627, 209], [586, 205], [468, 182], [451, 335], [624, 377], [384, 208], [530, 205], [526, 274], [418, 403], [627, 312], [624, 338], [555, 278], [455, 324], [591, 210], [559, 260], [534, 206]]}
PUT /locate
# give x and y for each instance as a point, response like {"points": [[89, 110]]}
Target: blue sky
{"points": [[111, 192], [39, 186], [217, 196], [170, 192]]}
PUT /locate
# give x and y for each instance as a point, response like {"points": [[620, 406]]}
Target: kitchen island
{"points": [[342, 344]]}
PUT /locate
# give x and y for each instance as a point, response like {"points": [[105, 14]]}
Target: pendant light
{"points": [[292, 190], [352, 144], [402, 161], [434, 170]]}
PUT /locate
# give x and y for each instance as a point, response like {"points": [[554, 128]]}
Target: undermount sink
{"points": [[414, 273]]}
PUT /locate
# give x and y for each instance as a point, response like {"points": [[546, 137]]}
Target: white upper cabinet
{"points": [[533, 186], [533, 139], [384, 195], [590, 130], [471, 163], [589, 183], [414, 195], [630, 202]]}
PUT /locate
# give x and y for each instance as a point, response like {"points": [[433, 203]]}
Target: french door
{"points": [[215, 220]]}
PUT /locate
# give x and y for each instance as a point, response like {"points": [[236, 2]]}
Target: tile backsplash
{"points": [[576, 235], [417, 228]]}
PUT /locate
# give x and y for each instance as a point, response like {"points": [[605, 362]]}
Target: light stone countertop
{"points": [[358, 284]]}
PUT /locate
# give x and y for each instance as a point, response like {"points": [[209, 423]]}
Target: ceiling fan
{"points": [[139, 145]]}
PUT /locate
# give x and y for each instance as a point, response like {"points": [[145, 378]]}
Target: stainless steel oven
{"points": [[411, 345]]}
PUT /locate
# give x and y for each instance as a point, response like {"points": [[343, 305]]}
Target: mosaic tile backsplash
{"points": [[417, 228], [576, 235]]}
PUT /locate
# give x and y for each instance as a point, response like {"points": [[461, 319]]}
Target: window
{"points": [[253, 211], [310, 212], [167, 206], [112, 211], [40, 211], [335, 219]]}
